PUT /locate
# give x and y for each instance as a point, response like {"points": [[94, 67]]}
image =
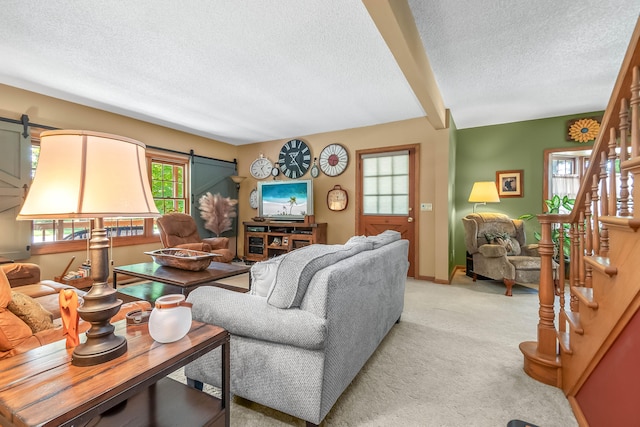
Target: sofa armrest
{"points": [[21, 273], [492, 251], [250, 316]]}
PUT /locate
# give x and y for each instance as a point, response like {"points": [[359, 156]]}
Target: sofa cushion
{"points": [[5, 290], [511, 245], [13, 331], [298, 267], [263, 276], [30, 312]]}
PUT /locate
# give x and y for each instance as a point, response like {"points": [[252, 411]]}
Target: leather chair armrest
{"points": [[203, 247], [217, 242], [21, 273], [492, 251]]}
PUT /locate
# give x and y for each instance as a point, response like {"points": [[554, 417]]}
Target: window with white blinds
{"points": [[386, 183]]}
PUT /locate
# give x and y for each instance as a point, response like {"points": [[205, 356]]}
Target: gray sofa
{"points": [[312, 319]]}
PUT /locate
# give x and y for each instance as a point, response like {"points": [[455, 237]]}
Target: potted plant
{"points": [[554, 205]]}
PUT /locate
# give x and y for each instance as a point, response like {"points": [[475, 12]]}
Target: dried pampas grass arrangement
{"points": [[217, 212]]}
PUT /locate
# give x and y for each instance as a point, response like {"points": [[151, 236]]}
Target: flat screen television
{"points": [[285, 200]]}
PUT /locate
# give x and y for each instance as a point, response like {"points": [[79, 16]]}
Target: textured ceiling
{"points": [[505, 61], [259, 70]]}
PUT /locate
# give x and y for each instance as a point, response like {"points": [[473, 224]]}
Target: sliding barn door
{"points": [[211, 175], [15, 178]]}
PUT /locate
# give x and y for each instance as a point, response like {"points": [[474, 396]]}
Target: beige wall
{"points": [[433, 182], [53, 112], [432, 186]]}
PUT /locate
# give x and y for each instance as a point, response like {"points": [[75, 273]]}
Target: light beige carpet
{"points": [[453, 360]]}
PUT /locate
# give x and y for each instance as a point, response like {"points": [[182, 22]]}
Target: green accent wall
{"points": [[484, 150]]}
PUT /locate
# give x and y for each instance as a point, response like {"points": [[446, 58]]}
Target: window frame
{"points": [[149, 236]]}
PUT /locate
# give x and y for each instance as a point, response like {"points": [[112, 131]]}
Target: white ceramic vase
{"points": [[170, 319]]}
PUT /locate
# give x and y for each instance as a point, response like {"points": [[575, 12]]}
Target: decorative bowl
{"points": [[184, 259]]}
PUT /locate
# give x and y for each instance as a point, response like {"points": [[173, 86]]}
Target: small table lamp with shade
{"points": [[483, 192], [83, 174]]}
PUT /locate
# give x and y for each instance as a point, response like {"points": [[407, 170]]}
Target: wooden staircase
{"points": [[588, 340]]}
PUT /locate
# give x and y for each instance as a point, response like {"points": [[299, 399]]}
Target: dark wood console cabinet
{"points": [[263, 240]]}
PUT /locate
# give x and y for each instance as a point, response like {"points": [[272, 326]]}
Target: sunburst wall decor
{"points": [[583, 130]]}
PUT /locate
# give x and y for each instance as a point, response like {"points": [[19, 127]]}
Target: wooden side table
{"points": [[41, 387]]}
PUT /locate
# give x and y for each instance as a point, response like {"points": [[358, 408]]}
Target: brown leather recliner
{"points": [[178, 230]]}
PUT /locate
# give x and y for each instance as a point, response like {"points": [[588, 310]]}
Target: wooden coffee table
{"points": [[42, 387], [169, 280]]}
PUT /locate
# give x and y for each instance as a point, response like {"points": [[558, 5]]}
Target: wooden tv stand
{"points": [[263, 240]]}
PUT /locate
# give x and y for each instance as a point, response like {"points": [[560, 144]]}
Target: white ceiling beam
{"points": [[398, 28]]}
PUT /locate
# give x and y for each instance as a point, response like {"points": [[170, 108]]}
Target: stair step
{"points": [[574, 320], [585, 295], [622, 221], [563, 340], [602, 265]]}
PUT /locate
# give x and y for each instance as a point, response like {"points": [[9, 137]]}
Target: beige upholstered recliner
{"points": [[178, 230], [499, 250]]}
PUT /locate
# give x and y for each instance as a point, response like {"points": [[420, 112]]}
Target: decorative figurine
{"points": [[69, 315]]}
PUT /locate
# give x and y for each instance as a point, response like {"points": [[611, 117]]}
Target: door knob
{"points": [[410, 219]]}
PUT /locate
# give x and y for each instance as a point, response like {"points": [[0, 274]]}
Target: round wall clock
{"points": [[333, 159], [294, 158], [337, 199], [261, 167], [253, 199], [315, 172]]}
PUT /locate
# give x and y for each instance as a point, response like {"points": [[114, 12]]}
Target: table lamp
{"points": [[82, 174], [483, 192]]}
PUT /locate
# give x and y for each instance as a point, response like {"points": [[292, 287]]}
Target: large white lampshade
{"points": [[83, 174]]}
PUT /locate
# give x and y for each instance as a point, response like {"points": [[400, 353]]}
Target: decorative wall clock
{"points": [[261, 167], [315, 172], [253, 199], [337, 199], [583, 130], [333, 159], [275, 171], [294, 158]]}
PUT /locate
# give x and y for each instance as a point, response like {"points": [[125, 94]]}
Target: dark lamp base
{"points": [[89, 354]]}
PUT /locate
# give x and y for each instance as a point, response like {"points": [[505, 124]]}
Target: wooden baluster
{"points": [[612, 209], [585, 272], [577, 261], [595, 221], [635, 112], [547, 344], [624, 145], [562, 274], [604, 206]]}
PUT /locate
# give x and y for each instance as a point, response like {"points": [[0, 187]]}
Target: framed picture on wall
{"points": [[510, 183]]}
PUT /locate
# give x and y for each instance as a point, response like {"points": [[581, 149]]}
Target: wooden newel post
{"points": [[547, 337], [541, 360]]}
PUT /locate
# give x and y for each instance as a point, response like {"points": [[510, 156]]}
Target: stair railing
{"points": [[601, 195]]}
